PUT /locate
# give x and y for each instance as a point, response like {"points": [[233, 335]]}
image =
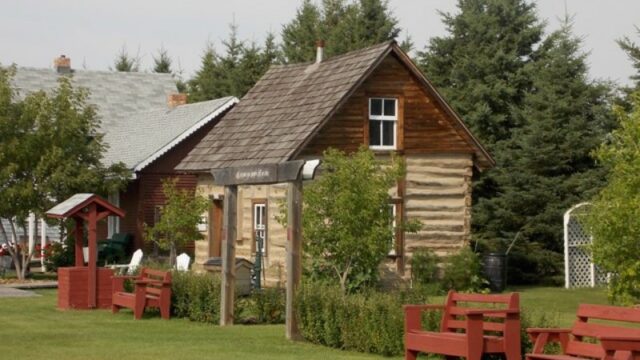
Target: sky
{"points": [[91, 32]]}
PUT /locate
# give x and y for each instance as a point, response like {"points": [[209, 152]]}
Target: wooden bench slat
{"points": [[486, 326], [581, 328], [604, 312], [482, 298]]}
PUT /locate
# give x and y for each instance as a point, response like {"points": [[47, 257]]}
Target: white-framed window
{"points": [[393, 213], [383, 122], [260, 226]]}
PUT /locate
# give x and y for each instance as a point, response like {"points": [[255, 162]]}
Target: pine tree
{"points": [[345, 26], [480, 64], [633, 52], [162, 62], [546, 167], [234, 72], [125, 62], [299, 36], [203, 86]]}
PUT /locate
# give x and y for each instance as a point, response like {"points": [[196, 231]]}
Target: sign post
{"points": [[292, 172]]}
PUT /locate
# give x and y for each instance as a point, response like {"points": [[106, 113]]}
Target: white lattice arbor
{"points": [[579, 269]]}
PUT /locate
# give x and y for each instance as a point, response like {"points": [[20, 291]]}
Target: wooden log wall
{"points": [[438, 193]]}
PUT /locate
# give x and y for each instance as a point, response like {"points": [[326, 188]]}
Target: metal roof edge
{"points": [[177, 140]]}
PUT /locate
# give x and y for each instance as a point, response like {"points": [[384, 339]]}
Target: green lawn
{"points": [[39, 330], [32, 328]]}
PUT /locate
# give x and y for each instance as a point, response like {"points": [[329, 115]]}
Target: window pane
{"points": [[389, 107], [388, 135], [374, 132], [376, 107]]}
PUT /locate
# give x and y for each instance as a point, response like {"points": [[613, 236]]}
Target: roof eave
{"points": [[184, 135]]}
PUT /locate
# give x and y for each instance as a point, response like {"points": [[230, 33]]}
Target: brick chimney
{"points": [[62, 64], [176, 99], [319, 51]]}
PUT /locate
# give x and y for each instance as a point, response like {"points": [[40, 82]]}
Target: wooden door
{"points": [[215, 229]]}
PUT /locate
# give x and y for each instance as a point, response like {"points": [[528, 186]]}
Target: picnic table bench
{"points": [[594, 340], [464, 330], [152, 289]]}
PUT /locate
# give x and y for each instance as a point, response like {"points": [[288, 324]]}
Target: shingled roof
{"points": [[115, 94], [288, 106], [136, 121]]}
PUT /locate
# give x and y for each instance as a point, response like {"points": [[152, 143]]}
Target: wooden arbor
{"points": [[291, 172], [78, 281]]}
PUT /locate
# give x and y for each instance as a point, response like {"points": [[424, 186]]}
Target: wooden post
{"points": [[78, 241], [93, 254], [294, 255], [228, 254]]}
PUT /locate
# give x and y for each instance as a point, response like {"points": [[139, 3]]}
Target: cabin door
{"points": [[215, 229]]}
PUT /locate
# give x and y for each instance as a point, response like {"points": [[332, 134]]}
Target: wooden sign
{"points": [[259, 174]]}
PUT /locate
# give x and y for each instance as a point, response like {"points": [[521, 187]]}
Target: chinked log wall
{"points": [[438, 193]]}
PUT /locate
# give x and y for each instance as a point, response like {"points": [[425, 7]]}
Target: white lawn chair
{"points": [[131, 267], [182, 262]]}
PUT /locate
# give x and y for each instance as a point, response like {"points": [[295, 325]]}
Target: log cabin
{"points": [[374, 96]]}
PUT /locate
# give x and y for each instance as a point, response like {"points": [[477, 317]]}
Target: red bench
{"points": [[593, 340], [152, 289], [463, 329]]}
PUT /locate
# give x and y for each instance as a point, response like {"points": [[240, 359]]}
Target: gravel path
{"points": [[6, 291]]}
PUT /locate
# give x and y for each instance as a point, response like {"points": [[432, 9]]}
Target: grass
{"points": [[45, 331]]}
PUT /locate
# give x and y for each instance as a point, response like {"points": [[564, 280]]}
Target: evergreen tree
{"points": [[234, 72], [203, 86], [125, 62], [300, 35], [546, 167], [480, 64], [345, 26], [633, 52], [162, 62]]}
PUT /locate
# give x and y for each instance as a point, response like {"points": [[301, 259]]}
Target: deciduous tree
{"points": [[50, 149], [614, 218], [179, 219], [347, 226]]}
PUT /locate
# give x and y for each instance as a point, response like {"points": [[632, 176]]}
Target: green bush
{"points": [[196, 296], [367, 321], [424, 267], [267, 306], [59, 254], [537, 319], [463, 272]]}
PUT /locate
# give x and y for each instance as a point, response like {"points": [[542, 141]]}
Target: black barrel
{"points": [[495, 269]]}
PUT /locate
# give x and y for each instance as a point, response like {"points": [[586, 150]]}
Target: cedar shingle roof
{"points": [[286, 108]]}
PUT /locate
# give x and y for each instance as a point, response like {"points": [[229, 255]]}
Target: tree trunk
{"points": [[17, 256], [172, 254]]}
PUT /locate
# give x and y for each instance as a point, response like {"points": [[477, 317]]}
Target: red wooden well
{"points": [[73, 290], [84, 287]]}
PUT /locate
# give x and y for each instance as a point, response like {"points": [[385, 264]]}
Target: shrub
{"points": [[58, 254], [463, 272], [267, 306], [196, 296], [424, 267], [367, 321], [537, 319]]}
